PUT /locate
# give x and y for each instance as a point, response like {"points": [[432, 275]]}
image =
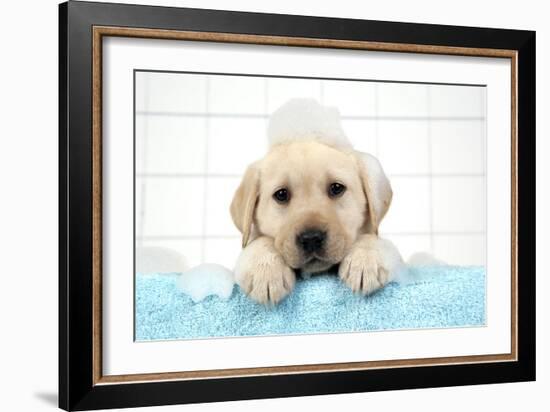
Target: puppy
{"points": [[310, 206]]}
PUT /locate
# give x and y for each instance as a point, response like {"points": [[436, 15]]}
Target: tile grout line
{"points": [[343, 117], [430, 169], [266, 103], [143, 202], [205, 177]]}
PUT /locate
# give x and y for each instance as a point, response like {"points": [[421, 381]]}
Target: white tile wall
{"points": [[195, 135], [402, 100], [351, 98], [220, 192], [227, 134], [279, 90], [461, 249], [236, 94], [459, 204], [173, 206], [448, 101], [412, 243], [192, 249], [458, 147], [404, 147], [222, 251], [410, 211], [174, 144], [362, 134], [170, 92]]}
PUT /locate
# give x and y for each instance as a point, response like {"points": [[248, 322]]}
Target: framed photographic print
{"points": [[256, 205]]}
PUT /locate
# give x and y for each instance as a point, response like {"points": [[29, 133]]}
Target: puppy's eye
{"points": [[336, 189], [282, 195]]}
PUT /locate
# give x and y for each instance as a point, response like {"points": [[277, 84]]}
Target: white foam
{"points": [[307, 119], [424, 259], [159, 260], [205, 280], [392, 260]]}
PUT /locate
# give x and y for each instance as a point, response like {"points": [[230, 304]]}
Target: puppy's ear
{"points": [[245, 200], [377, 190]]}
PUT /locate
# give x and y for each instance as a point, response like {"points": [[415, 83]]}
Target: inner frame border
{"points": [[98, 32]]}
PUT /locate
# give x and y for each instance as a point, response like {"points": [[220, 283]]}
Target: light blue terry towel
{"points": [[435, 297]]}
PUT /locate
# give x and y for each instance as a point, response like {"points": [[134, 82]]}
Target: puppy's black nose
{"points": [[311, 240]]}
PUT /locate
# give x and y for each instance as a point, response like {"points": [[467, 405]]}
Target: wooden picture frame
{"points": [[82, 28]]}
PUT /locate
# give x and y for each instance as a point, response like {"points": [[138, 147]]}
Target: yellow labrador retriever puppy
{"points": [[309, 206]]}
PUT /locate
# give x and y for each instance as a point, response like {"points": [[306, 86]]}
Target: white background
{"points": [[430, 140], [28, 218]]}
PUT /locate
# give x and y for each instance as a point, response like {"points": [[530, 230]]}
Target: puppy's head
{"points": [[313, 200]]}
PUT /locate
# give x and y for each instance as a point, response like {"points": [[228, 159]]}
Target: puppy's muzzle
{"points": [[311, 241]]}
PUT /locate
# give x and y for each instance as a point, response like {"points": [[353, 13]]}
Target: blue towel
{"points": [[435, 297]]}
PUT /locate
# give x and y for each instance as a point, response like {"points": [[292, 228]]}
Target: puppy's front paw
{"points": [[264, 276], [363, 271], [267, 281]]}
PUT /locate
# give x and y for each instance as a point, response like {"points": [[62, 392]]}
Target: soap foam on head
{"points": [[307, 119]]}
